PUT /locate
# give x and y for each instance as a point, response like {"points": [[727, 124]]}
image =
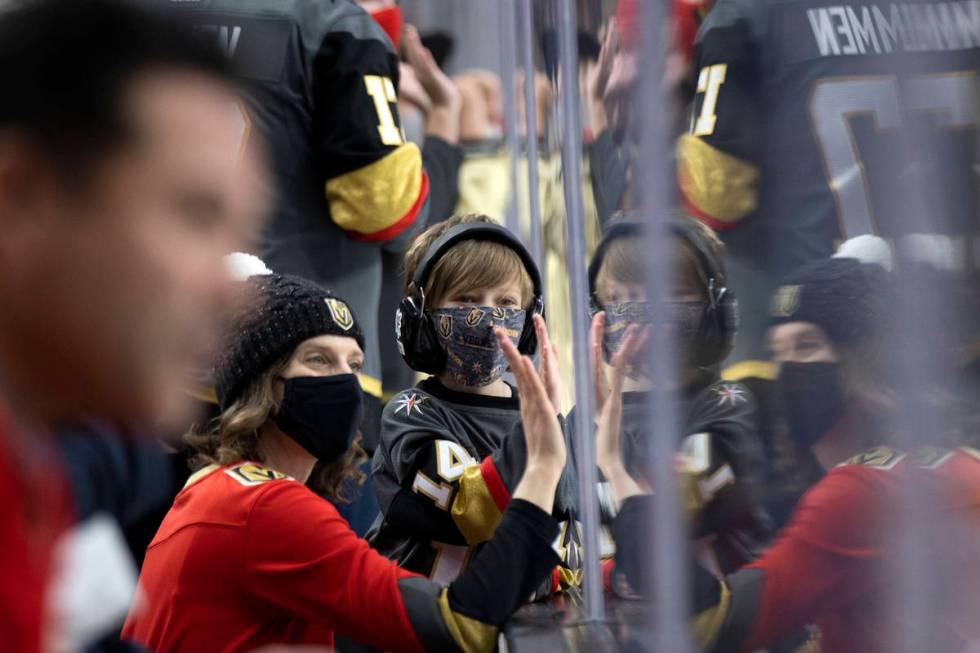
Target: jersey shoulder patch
{"points": [[254, 474], [410, 402], [878, 458]]}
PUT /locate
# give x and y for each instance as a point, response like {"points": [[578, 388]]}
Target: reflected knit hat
{"points": [[284, 311], [843, 296]]}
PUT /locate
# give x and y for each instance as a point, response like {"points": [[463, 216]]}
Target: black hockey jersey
{"points": [[819, 120], [444, 472], [320, 82], [721, 467], [319, 90]]}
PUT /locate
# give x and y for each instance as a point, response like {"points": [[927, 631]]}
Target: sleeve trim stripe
{"points": [[471, 635], [404, 222], [383, 197], [606, 568], [495, 484], [708, 624], [474, 510], [701, 216], [717, 185], [749, 369]]}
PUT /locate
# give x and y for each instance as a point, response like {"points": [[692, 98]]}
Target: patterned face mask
{"points": [[683, 316], [473, 356]]}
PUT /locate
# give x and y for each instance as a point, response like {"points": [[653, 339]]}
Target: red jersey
{"points": [[830, 565], [248, 557], [34, 511]]}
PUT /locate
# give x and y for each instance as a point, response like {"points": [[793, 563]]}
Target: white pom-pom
{"points": [[241, 266], [867, 249]]}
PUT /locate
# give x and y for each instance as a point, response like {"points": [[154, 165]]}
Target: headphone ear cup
{"points": [[416, 339], [528, 343], [728, 320]]}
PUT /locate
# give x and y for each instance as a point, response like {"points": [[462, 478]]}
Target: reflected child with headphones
{"points": [[452, 447], [720, 454]]}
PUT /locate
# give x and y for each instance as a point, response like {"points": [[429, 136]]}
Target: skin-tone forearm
{"points": [[538, 484], [620, 482], [443, 122], [442, 119]]}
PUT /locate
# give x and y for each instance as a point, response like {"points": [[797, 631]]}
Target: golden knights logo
{"points": [[445, 325], [785, 301], [474, 317], [251, 474], [340, 313], [499, 313]]}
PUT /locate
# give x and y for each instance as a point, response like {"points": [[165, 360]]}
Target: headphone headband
{"points": [[474, 231], [630, 228]]}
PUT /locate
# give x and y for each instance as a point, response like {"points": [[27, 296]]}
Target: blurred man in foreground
{"points": [[124, 176]]}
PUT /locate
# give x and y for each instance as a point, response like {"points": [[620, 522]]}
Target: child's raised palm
{"points": [[542, 431]]}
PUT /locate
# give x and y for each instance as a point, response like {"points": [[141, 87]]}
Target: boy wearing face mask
{"points": [[452, 447], [720, 453]]}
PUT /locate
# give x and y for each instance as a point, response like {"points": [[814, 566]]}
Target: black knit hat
{"points": [[286, 311], [843, 296]]}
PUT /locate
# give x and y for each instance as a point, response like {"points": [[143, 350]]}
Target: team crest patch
{"points": [[474, 317], [445, 325], [408, 403], [499, 313], [879, 458], [785, 301], [730, 395], [252, 474], [340, 313]]}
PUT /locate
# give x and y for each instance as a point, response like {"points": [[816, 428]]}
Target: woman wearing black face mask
{"points": [[824, 320], [248, 556]]}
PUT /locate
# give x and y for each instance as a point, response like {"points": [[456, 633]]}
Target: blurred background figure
{"points": [[812, 125], [122, 183], [320, 84]]}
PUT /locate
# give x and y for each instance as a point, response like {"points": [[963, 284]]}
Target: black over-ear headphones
{"points": [[415, 333], [719, 321]]}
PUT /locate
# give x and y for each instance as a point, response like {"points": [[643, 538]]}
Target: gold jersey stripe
{"points": [[370, 385], [471, 635], [750, 369], [474, 510], [707, 624], [719, 185], [199, 474], [378, 195]]}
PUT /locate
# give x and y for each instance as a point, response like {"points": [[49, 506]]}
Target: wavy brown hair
{"points": [[234, 436]]}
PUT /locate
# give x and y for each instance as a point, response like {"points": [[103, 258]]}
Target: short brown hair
{"points": [[625, 260], [234, 436], [477, 263]]}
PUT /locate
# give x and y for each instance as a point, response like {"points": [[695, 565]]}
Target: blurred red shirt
{"points": [[249, 557], [35, 509], [836, 563]]}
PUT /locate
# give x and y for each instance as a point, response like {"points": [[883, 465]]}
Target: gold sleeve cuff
{"points": [[707, 624], [378, 196], [719, 185], [474, 511], [472, 635]]}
